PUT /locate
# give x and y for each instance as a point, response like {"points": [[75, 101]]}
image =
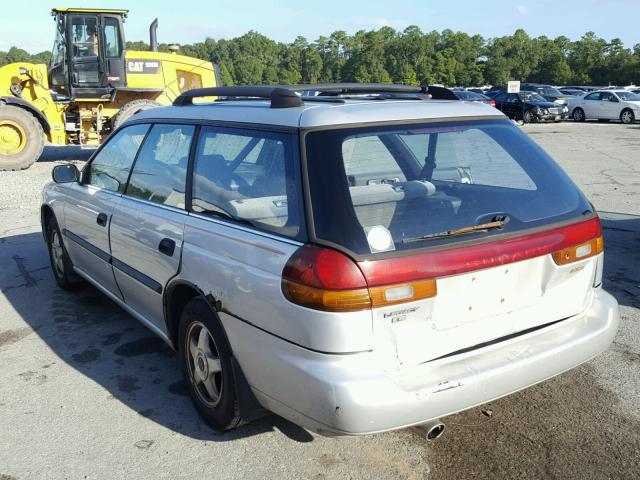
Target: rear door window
{"points": [[414, 183], [111, 166], [160, 172], [248, 176]]}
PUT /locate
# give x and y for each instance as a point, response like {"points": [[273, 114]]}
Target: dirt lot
{"points": [[87, 392]]}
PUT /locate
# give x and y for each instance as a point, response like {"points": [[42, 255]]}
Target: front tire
{"points": [[21, 138], [578, 115], [627, 117], [527, 117], [61, 264], [205, 355]]}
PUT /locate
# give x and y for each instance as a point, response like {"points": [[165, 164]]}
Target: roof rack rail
{"points": [[280, 97], [286, 96], [387, 90], [346, 88]]}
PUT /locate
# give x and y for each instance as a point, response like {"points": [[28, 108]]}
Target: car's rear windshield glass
{"points": [[398, 187]]}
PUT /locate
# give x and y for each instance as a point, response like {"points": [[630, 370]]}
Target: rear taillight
{"points": [[492, 102], [325, 279], [579, 252], [455, 260]]}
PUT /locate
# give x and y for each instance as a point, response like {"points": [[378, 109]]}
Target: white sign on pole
{"points": [[513, 86]]}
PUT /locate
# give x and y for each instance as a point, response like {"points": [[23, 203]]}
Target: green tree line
{"points": [[410, 56]]}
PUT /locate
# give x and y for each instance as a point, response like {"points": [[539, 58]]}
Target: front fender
{"points": [[22, 103]]}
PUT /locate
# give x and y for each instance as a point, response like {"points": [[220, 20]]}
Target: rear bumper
{"points": [[354, 394]]}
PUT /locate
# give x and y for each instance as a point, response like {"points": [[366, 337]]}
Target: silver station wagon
{"points": [[355, 259]]}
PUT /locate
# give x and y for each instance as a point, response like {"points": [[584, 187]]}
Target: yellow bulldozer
{"points": [[91, 86]]}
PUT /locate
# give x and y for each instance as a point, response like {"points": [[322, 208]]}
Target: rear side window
{"points": [[111, 166], [160, 172], [414, 183], [249, 176]]}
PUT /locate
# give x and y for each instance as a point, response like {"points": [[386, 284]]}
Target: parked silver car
{"points": [[353, 265]]}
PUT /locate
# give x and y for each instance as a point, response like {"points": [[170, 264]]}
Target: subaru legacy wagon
{"points": [[357, 260]]}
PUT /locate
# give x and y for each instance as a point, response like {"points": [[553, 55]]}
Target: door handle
{"points": [[167, 246], [102, 219]]}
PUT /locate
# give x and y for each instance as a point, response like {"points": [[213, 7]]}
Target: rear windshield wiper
{"points": [[483, 227]]}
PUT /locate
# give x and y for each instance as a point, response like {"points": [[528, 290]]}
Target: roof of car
{"points": [[322, 114]]}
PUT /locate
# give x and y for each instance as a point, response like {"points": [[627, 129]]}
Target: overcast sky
{"points": [[27, 24]]}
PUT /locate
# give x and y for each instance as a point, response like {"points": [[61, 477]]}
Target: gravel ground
{"points": [[87, 392]]}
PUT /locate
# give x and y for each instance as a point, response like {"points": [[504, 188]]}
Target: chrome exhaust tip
{"points": [[431, 430]]}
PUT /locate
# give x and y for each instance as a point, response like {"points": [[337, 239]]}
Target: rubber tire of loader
{"points": [[34, 138], [131, 108]]}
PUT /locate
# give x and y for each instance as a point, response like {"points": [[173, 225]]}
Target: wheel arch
{"points": [[29, 107], [177, 294], [627, 109], [46, 214]]}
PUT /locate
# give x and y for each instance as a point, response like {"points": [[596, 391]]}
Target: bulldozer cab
{"points": [[88, 53]]}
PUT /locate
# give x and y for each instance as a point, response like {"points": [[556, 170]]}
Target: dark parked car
{"points": [[574, 92], [550, 93], [584, 88], [529, 107], [474, 97]]}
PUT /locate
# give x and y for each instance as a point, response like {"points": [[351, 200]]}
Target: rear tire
{"points": [[21, 138], [61, 264], [627, 117], [578, 115], [130, 109], [205, 355]]}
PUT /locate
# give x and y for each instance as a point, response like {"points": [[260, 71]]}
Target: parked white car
{"points": [[606, 105]]}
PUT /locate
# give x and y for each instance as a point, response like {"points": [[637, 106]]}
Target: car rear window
{"points": [[399, 187]]}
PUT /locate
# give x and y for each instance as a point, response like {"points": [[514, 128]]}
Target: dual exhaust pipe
{"points": [[431, 430]]}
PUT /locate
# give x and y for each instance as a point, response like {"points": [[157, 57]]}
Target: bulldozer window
{"points": [[112, 39], [59, 48], [84, 31]]}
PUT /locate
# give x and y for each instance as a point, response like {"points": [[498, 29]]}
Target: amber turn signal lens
{"points": [[327, 300], [403, 292], [579, 252]]}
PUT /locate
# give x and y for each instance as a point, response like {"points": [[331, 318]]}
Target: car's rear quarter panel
{"points": [[242, 270]]}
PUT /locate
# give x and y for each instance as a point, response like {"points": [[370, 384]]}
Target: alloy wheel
{"points": [[57, 254], [203, 363]]}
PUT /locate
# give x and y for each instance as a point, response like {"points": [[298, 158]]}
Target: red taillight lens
{"points": [[492, 102], [325, 279], [323, 268]]}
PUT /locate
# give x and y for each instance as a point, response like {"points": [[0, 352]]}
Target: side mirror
{"points": [[65, 173], [614, 100]]}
